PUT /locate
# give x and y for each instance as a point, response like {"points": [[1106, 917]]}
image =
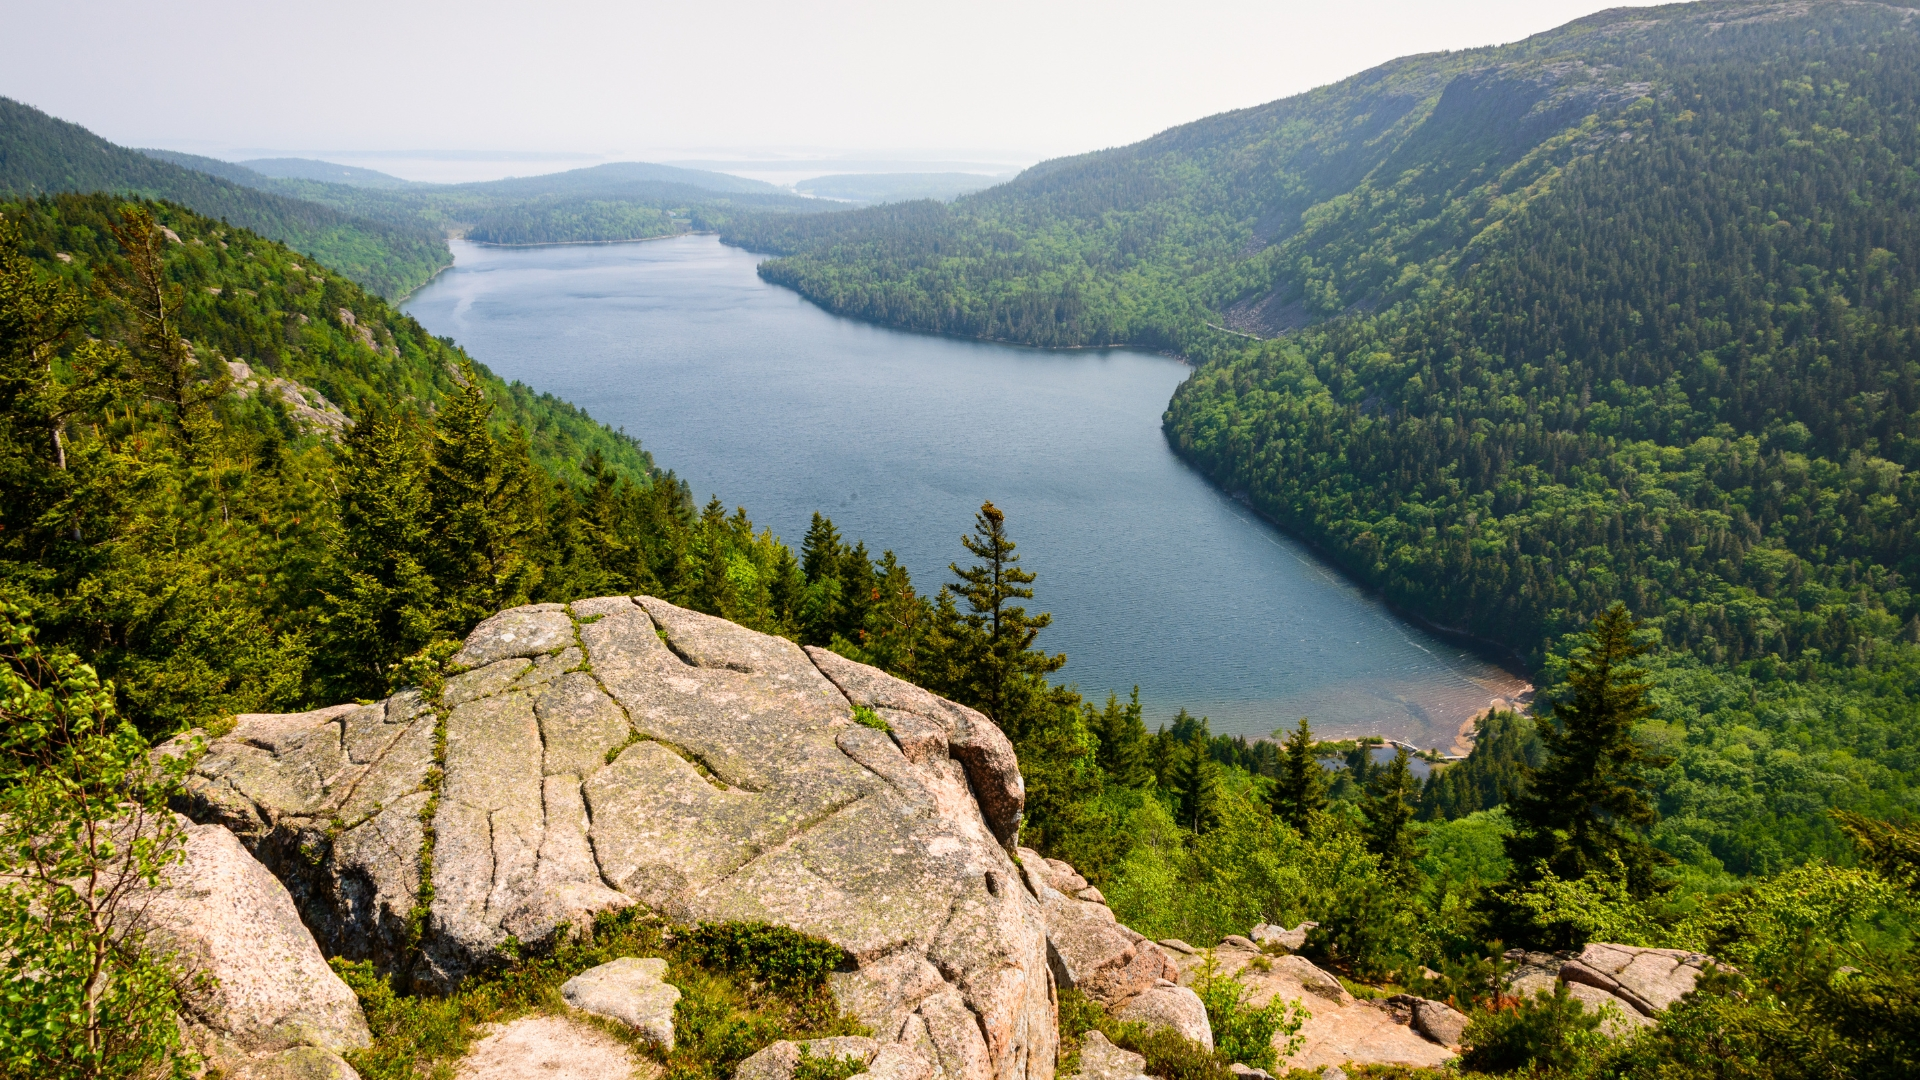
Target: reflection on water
{"points": [[1153, 576]]}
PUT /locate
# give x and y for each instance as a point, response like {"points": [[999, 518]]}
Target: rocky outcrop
{"points": [[624, 750], [261, 1001], [1170, 1006], [631, 991], [1632, 983], [1339, 1030], [1272, 938], [1089, 949], [1650, 980]]}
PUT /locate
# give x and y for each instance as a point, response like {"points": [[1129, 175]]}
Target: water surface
{"points": [[1154, 577]]}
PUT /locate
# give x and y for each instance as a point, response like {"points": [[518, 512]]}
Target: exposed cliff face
{"points": [[625, 750]]}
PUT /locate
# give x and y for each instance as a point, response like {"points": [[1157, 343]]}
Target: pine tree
{"points": [[1388, 806], [714, 592], [484, 513], [1588, 805], [1300, 789], [165, 364], [1195, 787], [820, 549], [383, 601], [1122, 736], [991, 661]]}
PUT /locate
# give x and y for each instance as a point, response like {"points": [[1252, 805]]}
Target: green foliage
{"points": [[742, 987], [1585, 811], [866, 717], [1388, 808], [84, 832], [1299, 789], [1242, 1033], [1549, 1033], [808, 1067], [989, 660], [1598, 906], [1505, 746], [774, 955], [179, 518]]}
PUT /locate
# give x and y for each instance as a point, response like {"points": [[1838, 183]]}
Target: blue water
{"points": [[1153, 576]]}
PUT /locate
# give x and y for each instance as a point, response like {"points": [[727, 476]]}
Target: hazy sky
{"points": [[986, 79]]}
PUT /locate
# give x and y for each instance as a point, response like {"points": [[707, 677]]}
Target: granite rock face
{"points": [[1101, 1060], [271, 1006], [623, 750], [630, 990], [1650, 980], [881, 1061], [1633, 983], [1089, 949]]}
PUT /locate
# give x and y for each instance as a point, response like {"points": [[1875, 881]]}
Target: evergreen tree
{"points": [[1388, 806], [714, 592], [1195, 787], [483, 511], [1588, 804], [383, 602], [1300, 789], [991, 663], [164, 363], [1122, 737]]}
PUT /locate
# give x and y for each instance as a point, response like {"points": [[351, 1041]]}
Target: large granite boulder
{"points": [[1650, 980], [624, 750], [262, 1001], [631, 990]]}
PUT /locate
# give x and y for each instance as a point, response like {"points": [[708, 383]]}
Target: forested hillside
{"points": [[619, 201], [1623, 312], [40, 155], [179, 431]]}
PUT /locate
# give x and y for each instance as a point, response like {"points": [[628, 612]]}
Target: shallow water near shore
{"points": [[1154, 577]]}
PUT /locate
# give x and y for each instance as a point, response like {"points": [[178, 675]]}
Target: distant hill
{"points": [[41, 155], [617, 177], [628, 200], [896, 187], [327, 171]]}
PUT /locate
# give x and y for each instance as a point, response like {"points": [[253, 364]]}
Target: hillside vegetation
{"points": [[1622, 312], [42, 155], [187, 522]]}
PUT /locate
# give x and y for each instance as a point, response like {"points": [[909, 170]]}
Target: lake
{"points": [[1154, 576]]}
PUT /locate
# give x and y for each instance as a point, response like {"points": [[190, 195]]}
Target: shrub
{"points": [[1169, 1055], [826, 1068], [84, 833], [1550, 1032], [1242, 1033], [783, 959]]}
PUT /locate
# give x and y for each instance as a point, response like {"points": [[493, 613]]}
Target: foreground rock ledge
{"points": [[622, 750]]}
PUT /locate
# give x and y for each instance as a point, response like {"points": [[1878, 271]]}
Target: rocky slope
{"points": [[619, 751]]}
